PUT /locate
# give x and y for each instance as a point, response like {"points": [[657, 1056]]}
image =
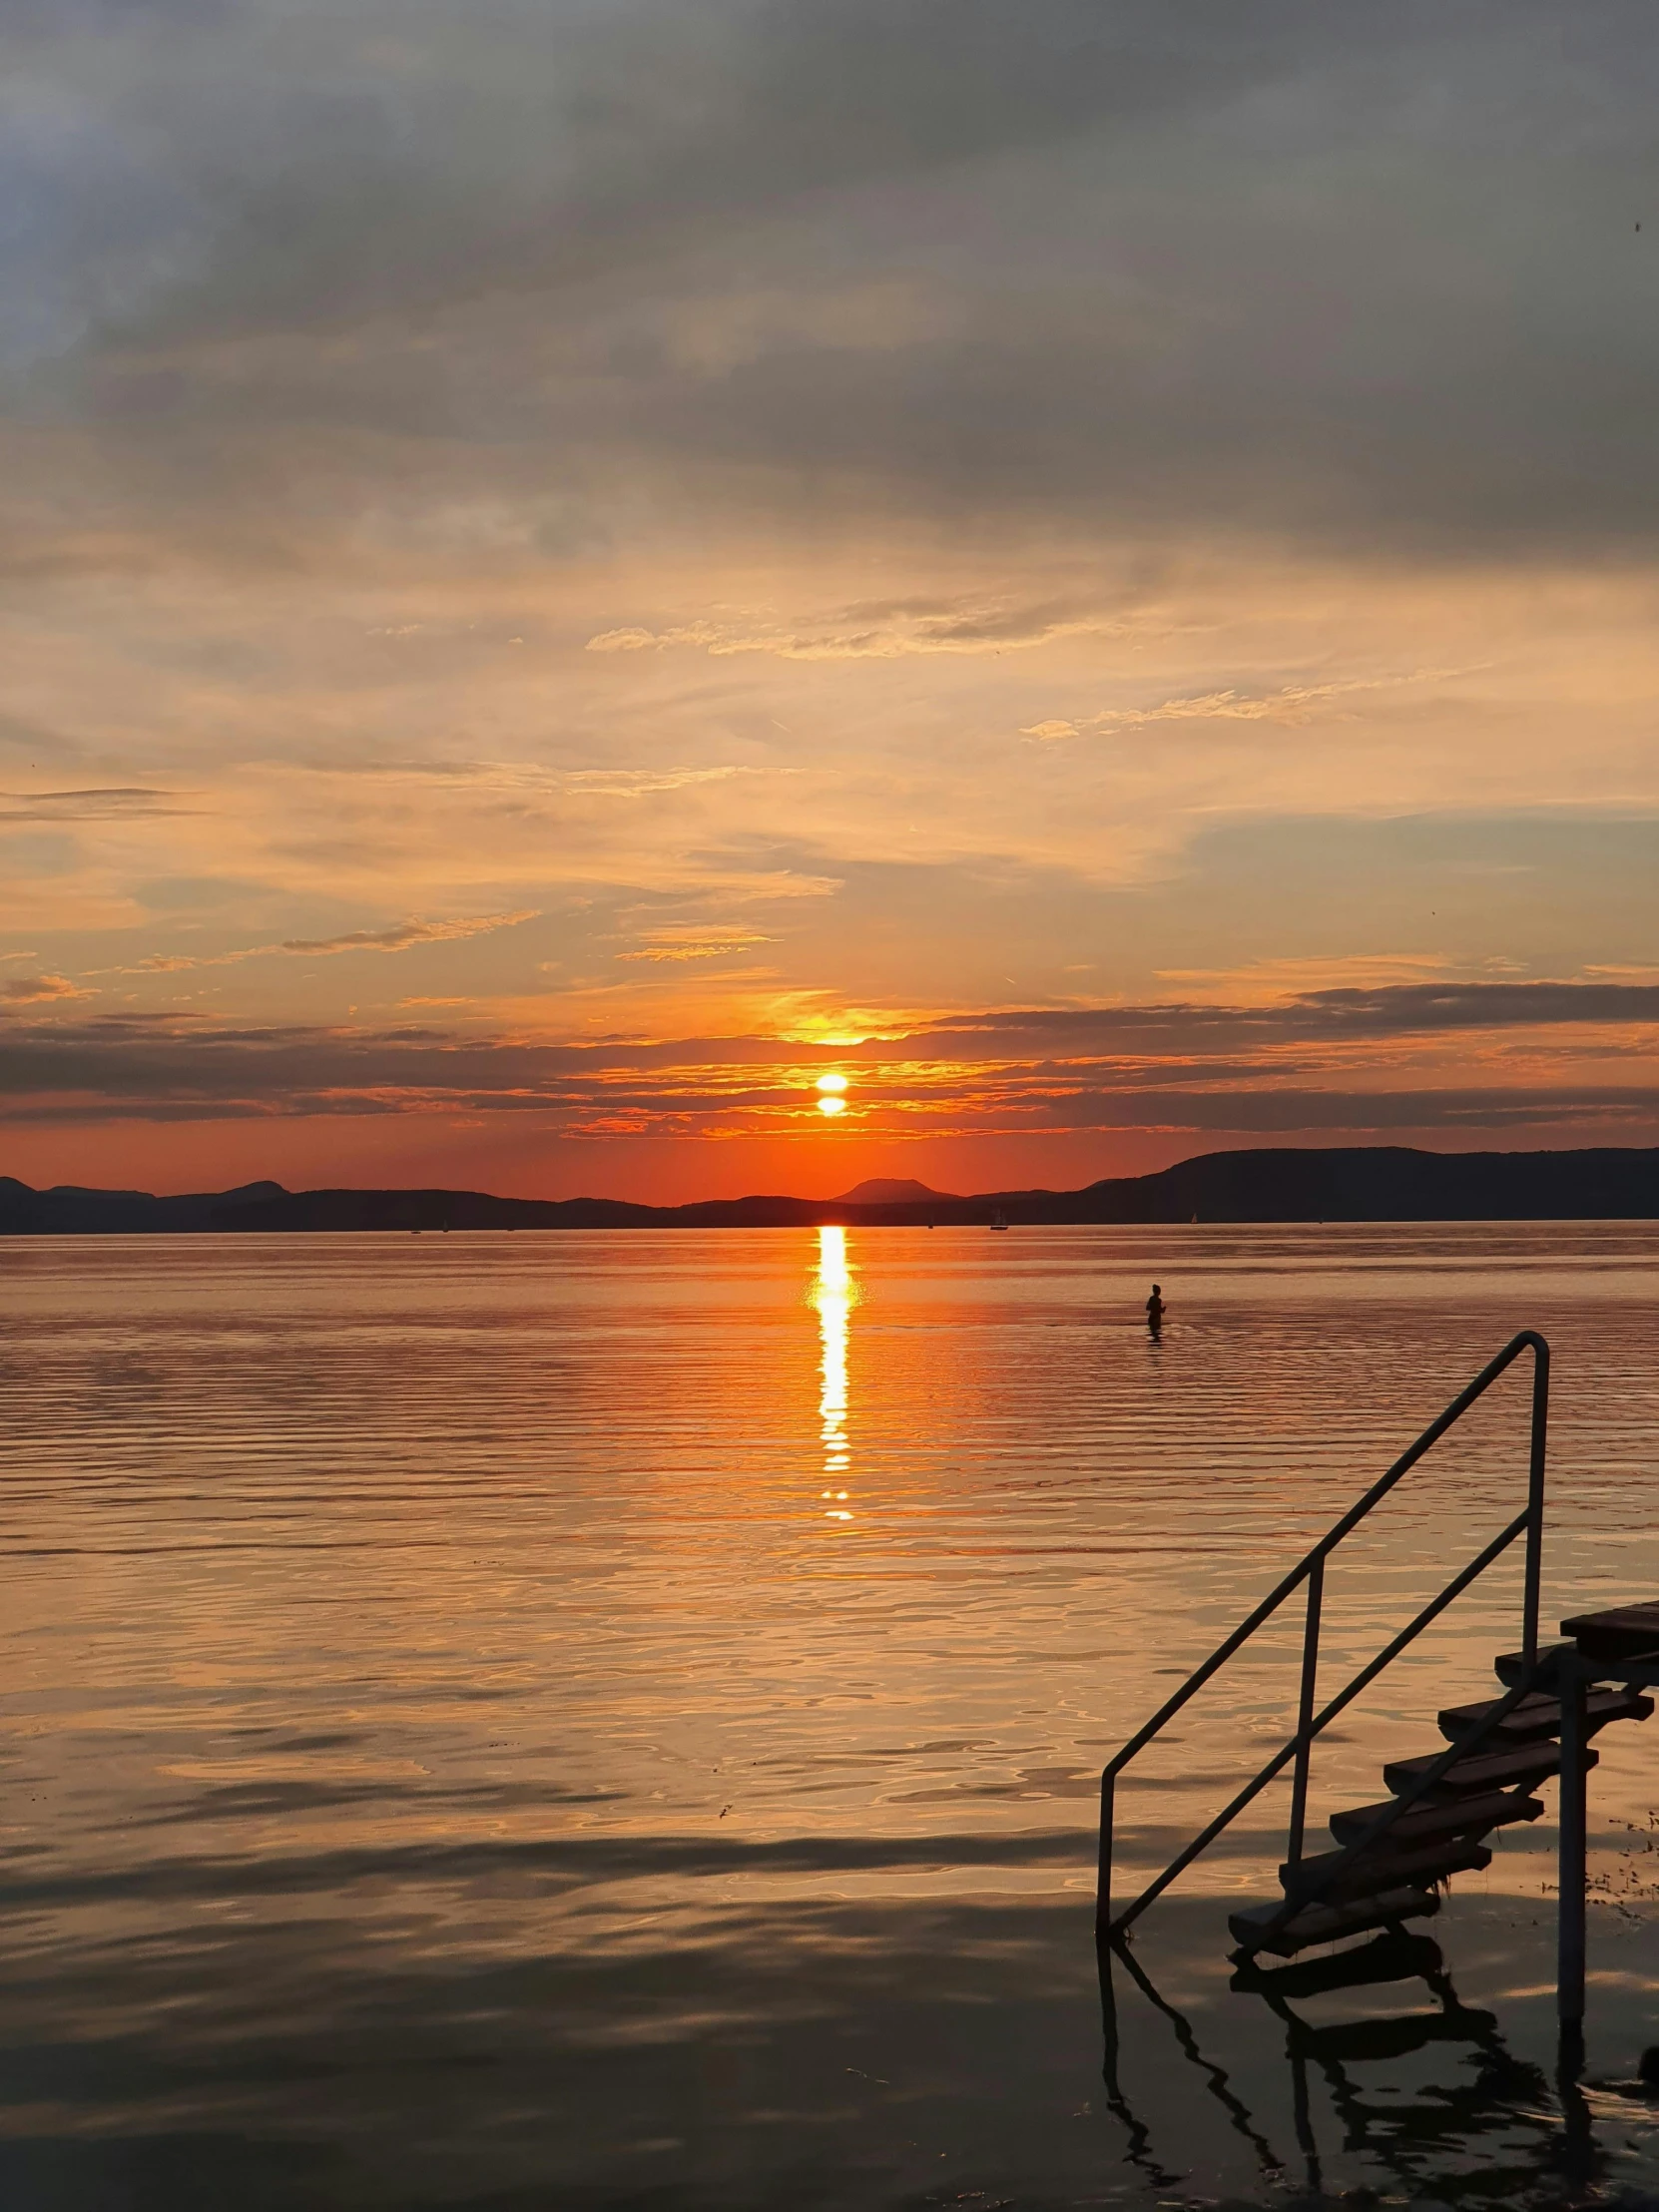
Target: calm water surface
{"points": [[600, 1720]]}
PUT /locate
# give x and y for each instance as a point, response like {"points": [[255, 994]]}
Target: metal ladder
{"points": [[1394, 1857]]}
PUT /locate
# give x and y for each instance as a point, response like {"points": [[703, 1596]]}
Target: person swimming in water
{"points": [[1155, 1310]]}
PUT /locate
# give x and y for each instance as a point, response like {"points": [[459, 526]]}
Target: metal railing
{"points": [[1310, 1724]]}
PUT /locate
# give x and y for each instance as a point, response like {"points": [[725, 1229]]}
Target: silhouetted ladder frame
{"points": [[1310, 1724]]}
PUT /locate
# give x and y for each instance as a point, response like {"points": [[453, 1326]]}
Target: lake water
{"points": [[592, 1720]]}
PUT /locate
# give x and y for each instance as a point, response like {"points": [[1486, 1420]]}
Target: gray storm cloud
{"points": [[1367, 276]]}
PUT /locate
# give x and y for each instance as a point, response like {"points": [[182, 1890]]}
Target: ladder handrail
{"points": [[1310, 1569]]}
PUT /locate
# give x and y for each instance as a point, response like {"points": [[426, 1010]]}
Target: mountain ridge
{"points": [[1359, 1183], [894, 1189]]}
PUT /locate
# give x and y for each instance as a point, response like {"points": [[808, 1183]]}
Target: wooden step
{"points": [[1535, 1717], [1538, 1718], [1396, 1957], [1431, 1816], [1351, 2041], [1383, 1869], [1627, 1632], [1327, 1924], [1511, 1665], [1482, 1770]]}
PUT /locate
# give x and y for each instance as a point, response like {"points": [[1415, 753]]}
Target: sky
{"points": [[571, 566]]}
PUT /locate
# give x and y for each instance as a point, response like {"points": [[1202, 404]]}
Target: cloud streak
{"points": [[686, 942], [132, 802], [875, 633], [1177, 1066], [35, 990], [1288, 704], [402, 936]]}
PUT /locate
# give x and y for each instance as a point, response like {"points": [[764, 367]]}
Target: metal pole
{"points": [[1577, 2139], [1531, 1521], [1535, 1501], [1302, 2115], [1339, 1704], [1305, 1711], [1108, 2020], [1569, 1970], [1103, 1884], [1327, 1543]]}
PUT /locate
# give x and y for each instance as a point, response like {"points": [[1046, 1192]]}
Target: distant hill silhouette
{"points": [[894, 1190], [1357, 1183]]}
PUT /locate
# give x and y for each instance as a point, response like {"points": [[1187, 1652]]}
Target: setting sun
{"points": [[831, 1105], [830, 1100], [832, 1082]]}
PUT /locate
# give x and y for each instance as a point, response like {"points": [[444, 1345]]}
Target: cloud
{"points": [[1400, 1007], [762, 885], [1274, 980], [1333, 1014], [1197, 271], [404, 936], [873, 633], [1315, 1062], [113, 805], [1293, 703], [29, 990], [687, 942], [531, 779], [1290, 702], [639, 782]]}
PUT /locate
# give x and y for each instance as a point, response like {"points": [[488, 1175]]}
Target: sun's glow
{"points": [[832, 1082], [831, 1105]]}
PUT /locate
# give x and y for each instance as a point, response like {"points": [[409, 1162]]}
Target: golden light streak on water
{"points": [[834, 1292]]}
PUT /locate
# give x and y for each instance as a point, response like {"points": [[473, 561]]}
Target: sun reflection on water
{"points": [[835, 1292]]}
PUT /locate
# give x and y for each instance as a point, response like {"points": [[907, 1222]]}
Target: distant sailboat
{"points": [[999, 1221]]}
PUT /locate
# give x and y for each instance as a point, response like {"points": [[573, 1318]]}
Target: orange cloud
{"points": [[29, 990]]}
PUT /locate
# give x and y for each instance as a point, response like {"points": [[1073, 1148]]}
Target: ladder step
{"points": [[1463, 1816], [1383, 1869], [1485, 1770], [1627, 1632], [1511, 1665], [1396, 1957], [1351, 2041], [1325, 1924], [1536, 1718]]}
